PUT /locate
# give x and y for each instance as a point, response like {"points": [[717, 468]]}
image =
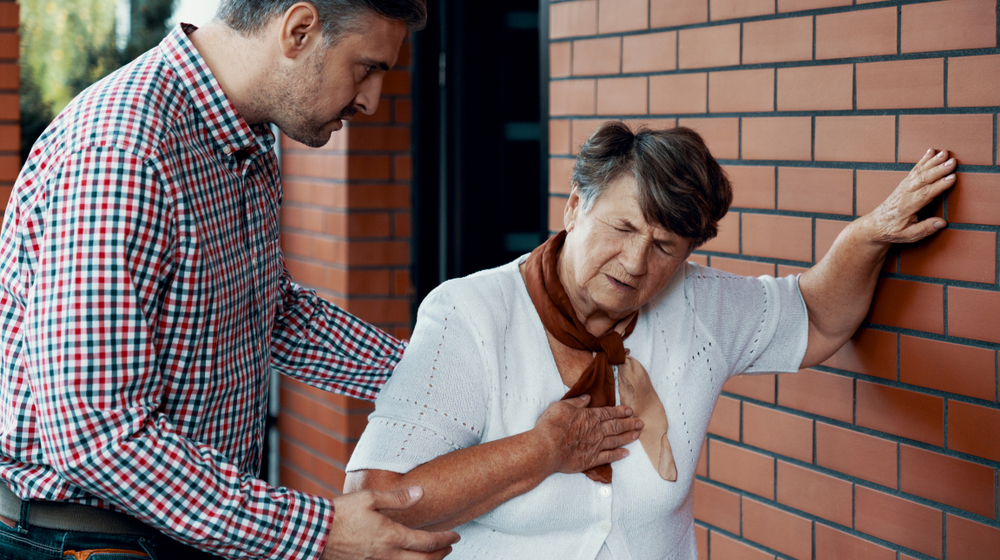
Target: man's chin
{"points": [[317, 139]]}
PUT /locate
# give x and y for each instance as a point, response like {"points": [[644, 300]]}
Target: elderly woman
{"points": [[608, 308]]}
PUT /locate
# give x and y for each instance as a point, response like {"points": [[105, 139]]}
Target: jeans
{"points": [[27, 542]]}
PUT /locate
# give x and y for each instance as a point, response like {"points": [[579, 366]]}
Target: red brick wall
{"points": [[346, 233], [10, 108], [817, 108]]}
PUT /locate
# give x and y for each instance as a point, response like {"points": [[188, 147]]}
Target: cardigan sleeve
{"points": [[761, 324], [435, 402]]}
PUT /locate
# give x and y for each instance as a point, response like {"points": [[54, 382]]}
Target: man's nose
{"points": [[367, 98]]}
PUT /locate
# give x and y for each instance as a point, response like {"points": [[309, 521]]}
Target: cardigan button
{"points": [[605, 491], [605, 527]]}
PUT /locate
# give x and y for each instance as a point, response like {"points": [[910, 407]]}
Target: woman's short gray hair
{"points": [[339, 17], [679, 185]]}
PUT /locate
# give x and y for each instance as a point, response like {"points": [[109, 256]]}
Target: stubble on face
{"points": [[294, 95]]}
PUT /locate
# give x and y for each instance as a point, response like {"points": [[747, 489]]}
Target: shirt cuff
{"points": [[305, 528]]}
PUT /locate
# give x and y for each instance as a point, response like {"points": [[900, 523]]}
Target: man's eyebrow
{"points": [[377, 63]]}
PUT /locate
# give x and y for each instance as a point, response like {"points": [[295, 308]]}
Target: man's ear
{"points": [[572, 209], [299, 30]]}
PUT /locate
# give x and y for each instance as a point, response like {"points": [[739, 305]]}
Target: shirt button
{"points": [[605, 492], [605, 527], [227, 150]]}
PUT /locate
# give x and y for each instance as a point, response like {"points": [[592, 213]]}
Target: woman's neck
{"points": [[597, 321]]}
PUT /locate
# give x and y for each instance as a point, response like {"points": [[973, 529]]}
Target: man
{"points": [[143, 301]]}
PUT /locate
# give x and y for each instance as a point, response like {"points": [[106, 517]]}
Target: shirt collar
{"points": [[231, 133]]}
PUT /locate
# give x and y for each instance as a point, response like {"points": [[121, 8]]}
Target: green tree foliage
{"points": [[67, 45]]}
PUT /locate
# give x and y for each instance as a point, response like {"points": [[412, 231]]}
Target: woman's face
{"points": [[613, 261]]}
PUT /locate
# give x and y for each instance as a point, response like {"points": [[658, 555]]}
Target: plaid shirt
{"points": [[143, 302]]}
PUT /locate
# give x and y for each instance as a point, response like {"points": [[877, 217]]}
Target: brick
{"points": [[724, 548], [974, 314], [777, 431], [10, 77], [962, 135], [799, 5], [950, 25], [559, 137], [701, 260], [875, 186], [293, 479], [869, 352], [968, 540], [702, 468], [728, 240], [777, 40], [744, 469], [401, 224], [800, 390], [716, 506], [311, 463], [402, 168], [760, 387], [856, 138], [10, 137], [307, 434], [899, 521], [396, 82], [387, 138], [556, 206], [701, 537], [654, 52], [377, 196], [973, 82], [615, 16], [753, 187], [781, 138], [901, 84], [668, 13], [9, 46], [725, 419], [954, 255], [909, 305], [9, 15], [597, 56], [561, 175], [678, 93], [323, 417], [721, 135], [856, 454], [743, 268], [823, 190], [382, 115], [904, 413], [581, 130], [709, 46], [856, 33], [731, 9], [816, 493], [946, 366], [779, 237], [832, 544], [561, 59], [974, 429], [947, 480], [570, 19], [975, 199], [572, 97], [622, 96], [816, 88], [379, 310], [741, 91], [827, 232], [777, 529]]}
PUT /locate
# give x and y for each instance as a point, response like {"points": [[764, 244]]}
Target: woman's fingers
{"points": [[895, 220]]}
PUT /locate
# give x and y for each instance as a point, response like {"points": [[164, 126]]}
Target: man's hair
{"points": [[679, 185], [339, 17]]}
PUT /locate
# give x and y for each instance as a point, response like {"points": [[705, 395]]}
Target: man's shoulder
{"points": [[133, 109]]}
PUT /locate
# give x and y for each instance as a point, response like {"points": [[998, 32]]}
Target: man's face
{"points": [[338, 81]]}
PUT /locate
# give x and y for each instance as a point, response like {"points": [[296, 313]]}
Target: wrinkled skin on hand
{"points": [[895, 220], [581, 438], [359, 531]]}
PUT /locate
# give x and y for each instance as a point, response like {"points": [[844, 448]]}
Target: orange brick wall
{"points": [[817, 108], [10, 107], [346, 233]]}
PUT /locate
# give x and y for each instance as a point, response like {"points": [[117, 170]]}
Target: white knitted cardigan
{"points": [[479, 368]]}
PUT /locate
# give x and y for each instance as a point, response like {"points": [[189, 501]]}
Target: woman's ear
{"points": [[299, 30], [572, 209]]}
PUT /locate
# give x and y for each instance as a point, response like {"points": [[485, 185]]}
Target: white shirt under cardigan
{"points": [[479, 368]]}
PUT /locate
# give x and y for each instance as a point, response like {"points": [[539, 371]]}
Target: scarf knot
{"points": [[613, 345]]}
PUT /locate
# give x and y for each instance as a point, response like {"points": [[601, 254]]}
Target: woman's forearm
{"points": [[464, 484]]}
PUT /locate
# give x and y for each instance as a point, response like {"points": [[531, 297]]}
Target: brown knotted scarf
{"points": [[598, 380]]}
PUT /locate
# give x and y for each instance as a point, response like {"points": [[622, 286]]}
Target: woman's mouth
{"points": [[619, 285]]}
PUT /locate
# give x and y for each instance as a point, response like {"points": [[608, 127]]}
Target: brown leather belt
{"points": [[69, 517]]}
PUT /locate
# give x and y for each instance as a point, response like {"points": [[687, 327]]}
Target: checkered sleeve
{"points": [[321, 344], [91, 324]]}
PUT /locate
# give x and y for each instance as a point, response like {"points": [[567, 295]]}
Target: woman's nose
{"points": [[633, 256]]}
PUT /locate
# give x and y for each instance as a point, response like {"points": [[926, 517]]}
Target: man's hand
{"points": [[359, 531], [580, 438]]}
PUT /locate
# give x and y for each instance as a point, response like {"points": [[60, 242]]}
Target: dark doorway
{"points": [[479, 139]]}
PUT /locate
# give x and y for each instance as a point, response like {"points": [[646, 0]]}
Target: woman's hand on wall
{"points": [[895, 220]]}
